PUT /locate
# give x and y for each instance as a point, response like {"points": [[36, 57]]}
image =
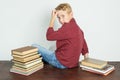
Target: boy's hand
{"points": [[54, 13], [86, 56], [53, 17]]}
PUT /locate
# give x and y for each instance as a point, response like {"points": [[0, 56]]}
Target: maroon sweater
{"points": [[70, 43]]}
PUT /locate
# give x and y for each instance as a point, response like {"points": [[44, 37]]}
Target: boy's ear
{"points": [[71, 14]]}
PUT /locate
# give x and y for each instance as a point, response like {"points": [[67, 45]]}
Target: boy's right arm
{"points": [[60, 34], [53, 17]]}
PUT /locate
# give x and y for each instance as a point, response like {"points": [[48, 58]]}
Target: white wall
{"points": [[24, 22]]}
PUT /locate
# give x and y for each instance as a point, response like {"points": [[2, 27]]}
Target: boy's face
{"points": [[63, 16]]}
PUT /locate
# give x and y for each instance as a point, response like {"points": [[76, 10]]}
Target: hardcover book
{"points": [[99, 72], [27, 58], [27, 63], [26, 73], [24, 56], [104, 70], [96, 63], [24, 50], [27, 69]]}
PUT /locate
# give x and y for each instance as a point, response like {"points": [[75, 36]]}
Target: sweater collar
{"points": [[72, 20]]}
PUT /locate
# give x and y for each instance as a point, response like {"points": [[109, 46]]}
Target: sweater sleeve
{"points": [[60, 34], [85, 48]]}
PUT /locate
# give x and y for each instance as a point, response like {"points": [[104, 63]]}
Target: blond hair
{"points": [[64, 7]]}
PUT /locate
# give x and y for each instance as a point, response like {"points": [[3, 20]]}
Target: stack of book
{"points": [[96, 66], [26, 60]]}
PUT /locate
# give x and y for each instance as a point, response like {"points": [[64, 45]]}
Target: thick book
{"points": [[104, 70], [29, 68], [27, 63], [26, 73], [96, 63], [24, 50], [96, 72], [27, 58], [24, 56]]}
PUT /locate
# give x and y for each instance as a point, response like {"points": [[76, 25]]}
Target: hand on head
{"points": [[53, 17], [54, 13]]}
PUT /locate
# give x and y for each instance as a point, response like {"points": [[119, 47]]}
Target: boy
{"points": [[69, 38]]}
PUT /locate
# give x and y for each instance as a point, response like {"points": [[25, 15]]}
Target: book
{"points": [[26, 73], [24, 56], [27, 58], [27, 63], [24, 50], [104, 70], [96, 63], [96, 72], [29, 68]]}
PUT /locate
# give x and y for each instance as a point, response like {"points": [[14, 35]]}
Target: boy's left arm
{"points": [[86, 56], [85, 51]]}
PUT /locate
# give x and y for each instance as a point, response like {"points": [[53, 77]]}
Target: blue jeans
{"points": [[49, 56]]}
